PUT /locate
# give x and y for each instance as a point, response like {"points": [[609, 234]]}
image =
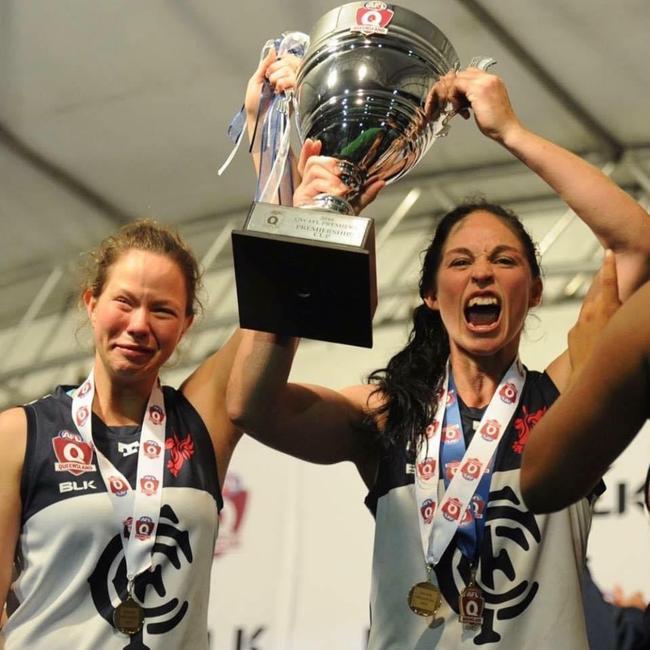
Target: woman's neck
{"points": [[477, 378], [119, 404]]}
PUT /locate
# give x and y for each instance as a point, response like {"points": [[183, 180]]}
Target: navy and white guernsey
{"points": [[529, 565], [72, 572]]}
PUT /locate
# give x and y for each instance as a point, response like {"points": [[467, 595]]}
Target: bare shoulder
{"points": [[13, 438]]}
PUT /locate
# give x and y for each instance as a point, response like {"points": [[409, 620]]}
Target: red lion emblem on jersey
{"points": [[180, 450], [523, 426]]}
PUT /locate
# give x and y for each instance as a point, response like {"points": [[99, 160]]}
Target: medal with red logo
{"points": [[465, 472], [471, 604], [136, 511]]}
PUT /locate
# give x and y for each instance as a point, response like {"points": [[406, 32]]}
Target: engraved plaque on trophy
{"points": [[364, 90]]}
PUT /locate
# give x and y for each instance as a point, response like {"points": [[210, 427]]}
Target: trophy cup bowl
{"points": [[363, 87], [363, 90]]}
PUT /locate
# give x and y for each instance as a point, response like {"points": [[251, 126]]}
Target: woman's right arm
{"points": [[310, 422], [13, 439]]}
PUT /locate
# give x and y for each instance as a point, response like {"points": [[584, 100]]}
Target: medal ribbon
{"points": [[273, 125], [136, 511], [439, 519]]}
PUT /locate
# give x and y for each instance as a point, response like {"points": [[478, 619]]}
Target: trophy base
{"points": [[304, 287]]}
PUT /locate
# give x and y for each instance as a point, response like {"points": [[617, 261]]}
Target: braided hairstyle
{"points": [[413, 376]]}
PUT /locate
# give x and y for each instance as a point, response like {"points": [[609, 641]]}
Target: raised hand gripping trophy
{"points": [[364, 90]]}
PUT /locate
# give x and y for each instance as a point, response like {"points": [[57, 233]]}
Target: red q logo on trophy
{"points": [[427, 510], [427, 468], [82, 416], [508, 393], [451, 433], [451, 509], [471, 469], [451, 398], [490, 430], [117, 486], [373, 18], [151, 449], [149, 485], [85, 387], [144, 528], [156, 414]]}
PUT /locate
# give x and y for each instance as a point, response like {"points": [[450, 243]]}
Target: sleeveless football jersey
{"points": [[70, 559], [529, 565]]}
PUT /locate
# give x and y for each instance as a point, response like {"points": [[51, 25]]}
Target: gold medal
{"points": [[424, 599], [128, 617]]}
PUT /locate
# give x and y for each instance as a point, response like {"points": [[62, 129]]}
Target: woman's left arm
{"points": [[205, 389], [616, 219]]}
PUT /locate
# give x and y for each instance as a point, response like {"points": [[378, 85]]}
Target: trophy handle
{"points": [[441, 124]]}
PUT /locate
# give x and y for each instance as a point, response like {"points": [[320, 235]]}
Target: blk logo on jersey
{"points": [[373, 18], [427, 510], [471, 469], [149, 485], [427, 468], [451, 434], [72, 453], [490, 430], [156, 414], [508, 393], [451, 509], [151, 449], [144, 528], [118, 486]]}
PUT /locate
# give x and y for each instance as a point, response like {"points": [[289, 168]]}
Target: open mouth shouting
{"points": [[482, 312]]}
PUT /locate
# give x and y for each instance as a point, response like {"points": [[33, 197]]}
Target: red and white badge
{"points": [[72, 453], [373, 18]]}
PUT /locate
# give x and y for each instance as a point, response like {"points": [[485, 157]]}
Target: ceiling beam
{"points": [[62, 178], [609, 142]]}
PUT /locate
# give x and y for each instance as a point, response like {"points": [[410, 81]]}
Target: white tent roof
{"points": [[114, 110]]}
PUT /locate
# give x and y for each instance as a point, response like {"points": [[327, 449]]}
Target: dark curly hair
{"points": [[413, 376]]}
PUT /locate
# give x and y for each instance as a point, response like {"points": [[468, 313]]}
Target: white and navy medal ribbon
{"points": [[136, 512], [272, 135], [463, 470]]}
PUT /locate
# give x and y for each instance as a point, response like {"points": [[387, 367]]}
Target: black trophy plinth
{"points": [[295, 277]]}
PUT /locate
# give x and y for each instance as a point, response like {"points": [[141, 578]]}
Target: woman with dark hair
{"points": [[110, 491], [437, 435]]}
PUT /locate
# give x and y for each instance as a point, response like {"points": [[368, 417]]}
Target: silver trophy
{"points": [[367, 90]]}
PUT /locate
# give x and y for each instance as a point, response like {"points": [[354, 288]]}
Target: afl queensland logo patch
{"points": [[73, 455]]}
